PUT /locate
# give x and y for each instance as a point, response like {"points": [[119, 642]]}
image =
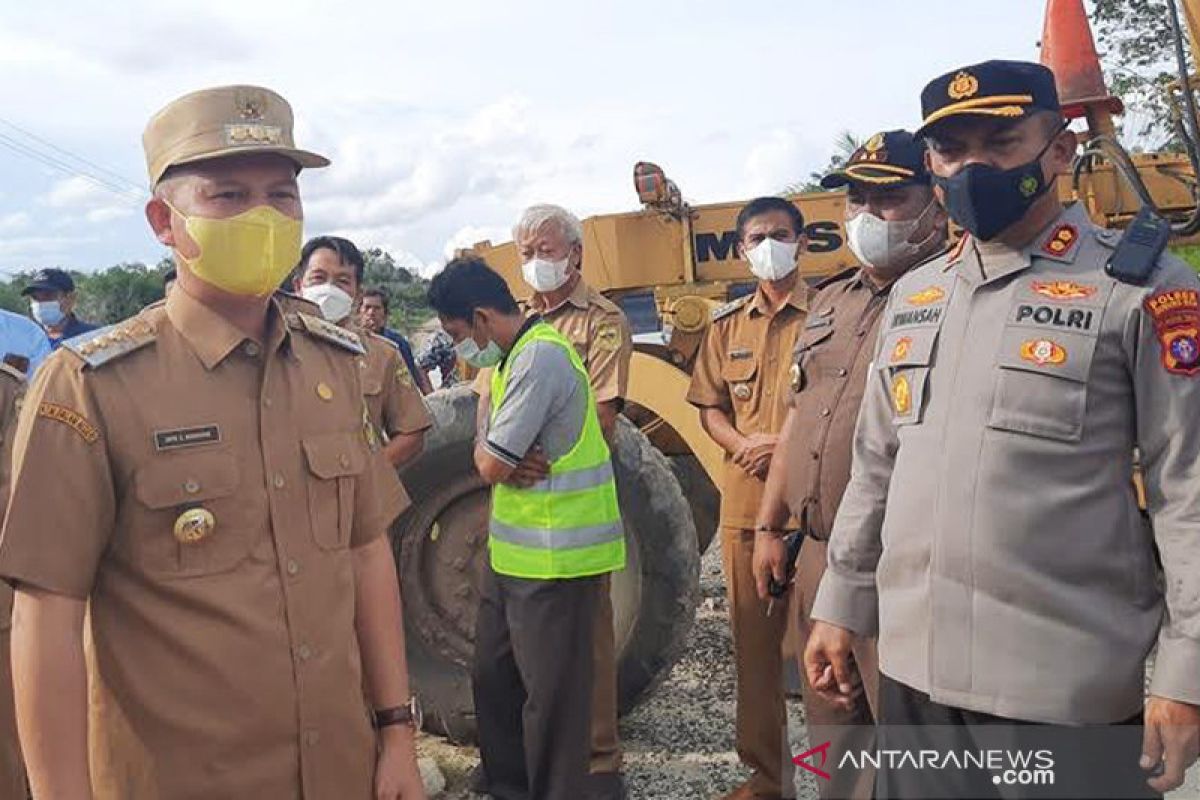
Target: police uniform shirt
{"points": [[828, 378], [204, 492], [743, 369], [992, 465]]}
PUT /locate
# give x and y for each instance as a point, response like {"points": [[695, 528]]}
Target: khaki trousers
{"points": [[761, 726], [851, 729]]}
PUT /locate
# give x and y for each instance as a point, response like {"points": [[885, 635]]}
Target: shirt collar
{"points": [[798, 299], [578, 298], [211, 336]]}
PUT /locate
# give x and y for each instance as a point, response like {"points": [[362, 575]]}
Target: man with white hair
{"points": [[549, 239]]}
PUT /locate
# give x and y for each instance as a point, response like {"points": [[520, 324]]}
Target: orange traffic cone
{"points": [[1069, 50]]}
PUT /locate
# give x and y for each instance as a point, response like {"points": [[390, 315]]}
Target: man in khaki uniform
{"points": [[12, 770], [893, 223], [550, 242], [225, 529], [990, 533], [330, 275], [740, 385]]}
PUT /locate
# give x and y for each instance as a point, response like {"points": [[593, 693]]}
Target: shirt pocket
{"points": [[191, 520], [904, 362], [335, 461], [1041, 383], [804, 366], [739, 374]]}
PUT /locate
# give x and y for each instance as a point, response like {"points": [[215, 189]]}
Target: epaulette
{"points": [[12, 372], [103, 345], [375, 337], [722, 311], [832, 279], [334, 334]]}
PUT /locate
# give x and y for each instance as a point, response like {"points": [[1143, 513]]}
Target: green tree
{"points": [[843, 147], [405, 291], [1138, 56], [118, 292]]}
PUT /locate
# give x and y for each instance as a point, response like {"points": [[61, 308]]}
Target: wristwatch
{"points": [[407, 714]]}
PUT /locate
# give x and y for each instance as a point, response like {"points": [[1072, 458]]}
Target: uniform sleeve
{"points": [[60, 452], [708, 389], [540, 383], [847, 596], [609, 354], [1166, 380], [404, 409]]}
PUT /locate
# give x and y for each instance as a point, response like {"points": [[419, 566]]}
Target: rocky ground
{"points": [[679, 744]]}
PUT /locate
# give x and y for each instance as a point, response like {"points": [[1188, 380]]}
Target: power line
{"points": [[46, 159], [63, 151]]}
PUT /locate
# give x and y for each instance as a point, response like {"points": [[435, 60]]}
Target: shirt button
{"points": [[304, 651], [251, 349], [312, 738], [815, 455], [843, 372], [293, 567], [860, 333], [344, 460], [825, 412], [267, 402], [191, 486], [278, 480]]}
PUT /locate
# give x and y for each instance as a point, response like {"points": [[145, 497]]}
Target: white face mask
{"points": [[772, 260], [883, 244], [334, 302], [47, 312], [545, 276]]}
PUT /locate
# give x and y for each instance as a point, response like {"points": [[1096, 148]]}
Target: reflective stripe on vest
{"points": [[569, 524]]}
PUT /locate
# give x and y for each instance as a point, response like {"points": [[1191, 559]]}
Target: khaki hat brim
{"points": [[304, 159]]}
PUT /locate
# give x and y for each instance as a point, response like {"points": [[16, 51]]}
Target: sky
{"points": [[445, 118]]}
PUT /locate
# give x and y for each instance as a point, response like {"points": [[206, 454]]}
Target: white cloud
{"points": [[89, 199], [775, 162], [14, 222], [471, 235]]}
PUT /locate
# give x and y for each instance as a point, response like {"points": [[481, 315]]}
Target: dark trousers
{"points": [[533, 685], [1093, 762]]}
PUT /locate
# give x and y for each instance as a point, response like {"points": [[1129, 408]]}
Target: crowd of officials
{"points": [[206, 603]]}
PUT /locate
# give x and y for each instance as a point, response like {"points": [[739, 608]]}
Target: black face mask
{"points": [[986, 200]]}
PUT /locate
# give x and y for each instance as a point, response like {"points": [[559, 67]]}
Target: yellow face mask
{"points": [[248, 254]]}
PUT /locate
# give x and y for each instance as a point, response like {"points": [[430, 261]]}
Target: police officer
{"points": [[549, 240], [12, 771], [226, 526], [893, 223], [330, 275], [990, 533], [740, 385], [549, 540]]}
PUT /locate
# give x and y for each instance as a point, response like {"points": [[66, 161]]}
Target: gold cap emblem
{"points": [[194, 525], [251, 105], [963, 86], [874, 143]]}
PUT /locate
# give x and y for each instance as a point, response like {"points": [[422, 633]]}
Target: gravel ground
{"points": [[679, 744]]}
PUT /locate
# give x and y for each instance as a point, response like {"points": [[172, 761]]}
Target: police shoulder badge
{"points": [[1044, 352], [1176, 315], [963, 86], [608, 337], [71, 418], [927, 296]]}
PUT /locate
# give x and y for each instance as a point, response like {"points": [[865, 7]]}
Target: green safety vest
{"points": [[568, 525]]}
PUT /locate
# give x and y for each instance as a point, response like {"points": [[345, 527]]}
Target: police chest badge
{"points": [[901, 350], [1044, 352], [1176, 315], [797, 378], [901, 395], [927, 297], [742, 391]]}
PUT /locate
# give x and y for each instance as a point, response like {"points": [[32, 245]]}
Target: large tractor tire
{"points": [[441, 543]]}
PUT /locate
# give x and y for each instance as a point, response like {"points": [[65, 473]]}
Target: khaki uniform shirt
{"points": [[394, 403], [991, 528], [742, 369], [12, 389], [829, 375], [222, 657], [600, 332]]}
